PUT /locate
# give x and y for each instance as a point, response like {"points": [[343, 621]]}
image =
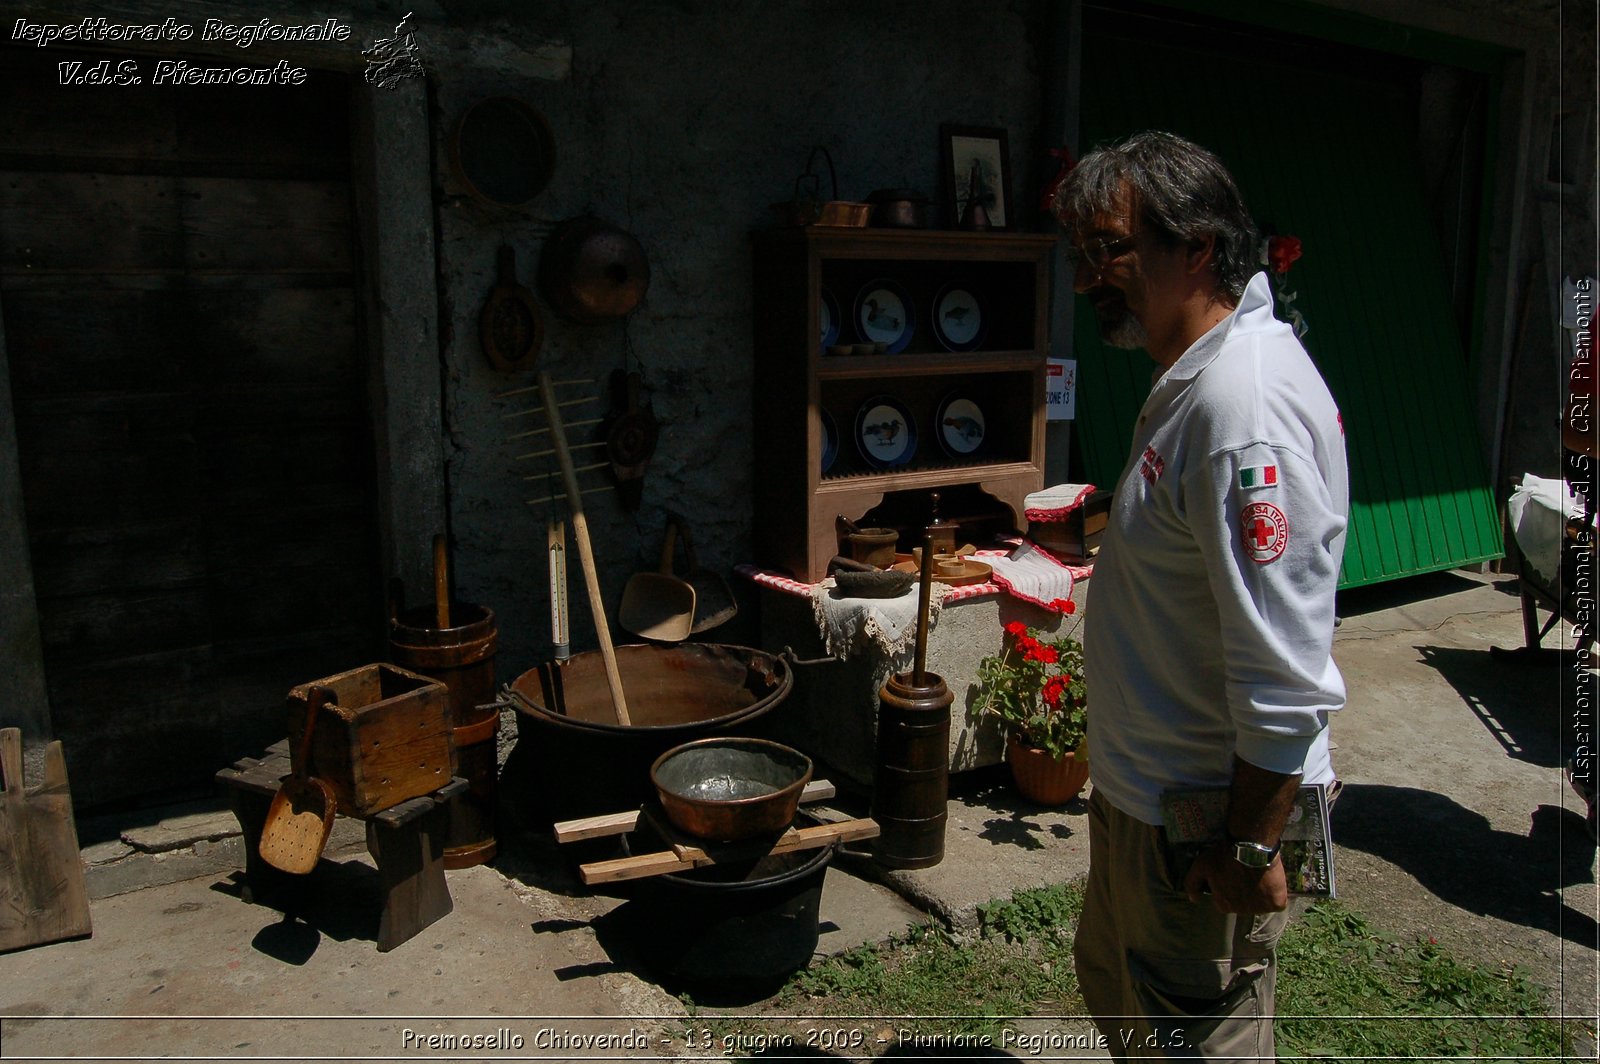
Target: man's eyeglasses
{"points": [[1099, 253]]}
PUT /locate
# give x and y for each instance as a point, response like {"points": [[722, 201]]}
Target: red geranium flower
{"points": [[1282, 251], [1040, 652], [1016, 628]]}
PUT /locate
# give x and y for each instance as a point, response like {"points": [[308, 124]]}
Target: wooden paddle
{"points": [[301, 814]]}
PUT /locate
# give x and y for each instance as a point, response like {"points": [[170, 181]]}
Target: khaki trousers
{"points": [[1165, 978]]}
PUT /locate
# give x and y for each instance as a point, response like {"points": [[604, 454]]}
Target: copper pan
{"points": [[591, 271]]}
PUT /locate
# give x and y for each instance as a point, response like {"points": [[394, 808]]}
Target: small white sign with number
{"points": [[1061, 389]]}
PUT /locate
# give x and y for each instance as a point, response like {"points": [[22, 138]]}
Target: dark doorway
{"points": [[178, 284]]}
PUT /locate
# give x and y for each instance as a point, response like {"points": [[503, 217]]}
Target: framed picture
{"points": [[975, 157]]}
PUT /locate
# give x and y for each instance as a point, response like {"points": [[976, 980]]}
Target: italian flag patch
{"points": [[1261, 476]]}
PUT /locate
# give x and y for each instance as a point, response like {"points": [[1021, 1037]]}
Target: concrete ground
{"points": [[1455, 824]]}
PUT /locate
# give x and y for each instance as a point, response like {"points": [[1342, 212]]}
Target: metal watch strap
{"points": [[1254, 854]]}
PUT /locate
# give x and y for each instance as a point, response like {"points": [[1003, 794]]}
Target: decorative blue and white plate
{"points": [[959, 322], [828, 312], [830, 441], [960, 426], [886, 434], [884, 314]]}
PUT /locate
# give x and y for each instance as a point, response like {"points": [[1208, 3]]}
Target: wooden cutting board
{"points": [[42, 893]]}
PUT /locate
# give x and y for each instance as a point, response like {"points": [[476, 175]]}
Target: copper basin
{"points": [[728, 788]]}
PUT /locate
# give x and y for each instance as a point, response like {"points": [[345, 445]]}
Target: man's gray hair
{"points": [[1180, 190]]}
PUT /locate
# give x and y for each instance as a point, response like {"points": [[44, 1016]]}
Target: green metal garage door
{"points": [[1329, 155]]}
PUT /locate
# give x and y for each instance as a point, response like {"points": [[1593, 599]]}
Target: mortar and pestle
{"points": [[860, 580], [870, 546]]}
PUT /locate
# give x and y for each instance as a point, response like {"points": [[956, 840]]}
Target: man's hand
{"points": [[1235, 888]]}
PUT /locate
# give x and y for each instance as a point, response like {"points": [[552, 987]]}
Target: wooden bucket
{"points": [[462, 658], [911, 779]]}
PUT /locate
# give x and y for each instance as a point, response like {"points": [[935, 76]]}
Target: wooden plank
{"points": [[87, 341], [123, 623], [806, 838], [165, 552], [641, 866], [42, 893], [58, 222], [291, 130], [594, 827], [240, 224], [66, 222]]}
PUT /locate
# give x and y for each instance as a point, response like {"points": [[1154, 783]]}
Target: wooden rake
{"points": [[555, 429]]}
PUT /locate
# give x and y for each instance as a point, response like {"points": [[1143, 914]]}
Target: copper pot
{"points": [[730, 788], [899, 208], [591, 271]]}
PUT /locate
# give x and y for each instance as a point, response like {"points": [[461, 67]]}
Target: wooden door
{"points": [[178, 285]]}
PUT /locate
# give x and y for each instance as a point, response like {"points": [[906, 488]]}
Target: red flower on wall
{"points": [[1277, 254], [1282, 251]]}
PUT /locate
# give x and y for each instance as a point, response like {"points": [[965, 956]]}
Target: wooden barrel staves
{"points": [[462, 658], [911, 778]]}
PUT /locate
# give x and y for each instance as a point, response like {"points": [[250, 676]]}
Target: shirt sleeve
{"points": [[1271, 534]]}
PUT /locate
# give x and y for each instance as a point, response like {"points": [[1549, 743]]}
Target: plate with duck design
{"points": [[960, 426], [884, 314], [959, 322], [886, 433]]}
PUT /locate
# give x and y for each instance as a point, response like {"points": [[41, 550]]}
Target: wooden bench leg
{"points": [[261, 880], [410, 861]]}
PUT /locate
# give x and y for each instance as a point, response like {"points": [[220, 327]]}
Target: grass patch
{"points": [[1413, 999], [1020, 957], [1345, 989]]}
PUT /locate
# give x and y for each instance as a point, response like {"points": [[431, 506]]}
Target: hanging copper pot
{"points": [[591, 271]]}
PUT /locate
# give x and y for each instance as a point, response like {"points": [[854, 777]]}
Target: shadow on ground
{"points": [[1374, 598], [340, 900], [1454, 853], [1518, 701]]}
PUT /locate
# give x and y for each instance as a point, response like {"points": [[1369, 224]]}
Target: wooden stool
{"points": [[406, 841]]}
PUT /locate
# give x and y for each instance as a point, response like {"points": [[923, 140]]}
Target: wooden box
{"points": [[386, 739]]}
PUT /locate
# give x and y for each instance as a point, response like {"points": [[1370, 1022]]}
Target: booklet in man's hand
{"points": [[1196, 818]]}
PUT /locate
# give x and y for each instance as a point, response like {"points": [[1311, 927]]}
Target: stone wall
{"points": [[683, 123]]}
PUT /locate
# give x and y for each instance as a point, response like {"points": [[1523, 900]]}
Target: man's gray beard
{"points": [[1127, 334]]}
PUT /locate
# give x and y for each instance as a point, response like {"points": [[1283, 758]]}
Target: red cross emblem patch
{"points": [[1266, 531]]}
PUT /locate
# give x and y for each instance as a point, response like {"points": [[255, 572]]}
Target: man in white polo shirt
{"points": [[1208, 649]]}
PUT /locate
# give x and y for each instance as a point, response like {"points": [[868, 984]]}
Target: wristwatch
{"points": [[1255, 855]]}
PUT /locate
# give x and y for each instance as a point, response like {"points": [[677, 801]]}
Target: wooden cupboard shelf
{"points": [[848, 367], [797, 502]]}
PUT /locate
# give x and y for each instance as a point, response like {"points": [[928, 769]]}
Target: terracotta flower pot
{"points": [[1042, 779]]}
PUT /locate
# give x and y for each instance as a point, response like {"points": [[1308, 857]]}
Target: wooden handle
{"points": [[669, 544], [316, 698], [11, 762], [919, 670], [688, 542], [441, 581], [580, 532]]}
